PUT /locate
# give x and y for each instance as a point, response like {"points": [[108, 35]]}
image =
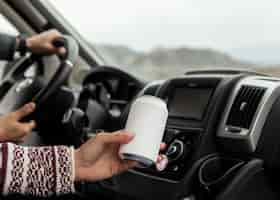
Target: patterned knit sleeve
{"points": [[36, 171]]}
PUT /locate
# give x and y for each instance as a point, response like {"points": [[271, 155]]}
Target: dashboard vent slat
{"points": [[245, 106]]}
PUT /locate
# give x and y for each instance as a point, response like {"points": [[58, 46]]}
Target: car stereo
{"points": [[188, 98], [189, 102]]}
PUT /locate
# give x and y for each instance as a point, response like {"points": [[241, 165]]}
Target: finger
{"points": [[54, 33], [162, 164], [31, 124], [61, 51], [26, 128], [51, 49], [162, 146], [24, 111], [159, 158], [119, 137], [54, 49]]}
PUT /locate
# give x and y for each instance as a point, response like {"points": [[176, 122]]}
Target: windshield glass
{"points": [[155, 39]]}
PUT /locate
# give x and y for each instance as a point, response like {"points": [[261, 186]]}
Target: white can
{"points": [[147, 120]]}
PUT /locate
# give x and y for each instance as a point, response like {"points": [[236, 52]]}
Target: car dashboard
{"points": [[226, 117]]}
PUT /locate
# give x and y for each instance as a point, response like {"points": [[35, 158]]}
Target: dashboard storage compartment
{"points": [[225, 178]]}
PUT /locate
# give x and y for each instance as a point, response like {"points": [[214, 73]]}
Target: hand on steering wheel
{"points": [[43, 43], [16, 89], [11, 129]]}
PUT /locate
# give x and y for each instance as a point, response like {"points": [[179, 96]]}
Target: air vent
{"points": [[245, 106]]}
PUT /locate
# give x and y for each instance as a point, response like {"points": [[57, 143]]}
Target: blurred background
{"points": [[155, 39]]}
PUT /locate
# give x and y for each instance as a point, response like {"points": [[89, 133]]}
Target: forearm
{"points": [[38, 171], [7, 47]]}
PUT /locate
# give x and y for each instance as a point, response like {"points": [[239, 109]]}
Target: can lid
{"points": [[153, 100], [143, 162]]}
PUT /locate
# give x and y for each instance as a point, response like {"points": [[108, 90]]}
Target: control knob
{"points": [[175, 151]]}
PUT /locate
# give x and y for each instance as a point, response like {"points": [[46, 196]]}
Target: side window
{"points": [[6, 27]]}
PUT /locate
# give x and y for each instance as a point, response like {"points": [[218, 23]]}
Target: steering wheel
{"points": [[16, 89], [104, 99]]}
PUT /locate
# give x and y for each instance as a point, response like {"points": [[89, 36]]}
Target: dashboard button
{"points": [[172, 150]]}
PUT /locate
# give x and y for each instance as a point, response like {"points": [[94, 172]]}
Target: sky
{"points": [[144, 24], [242, 27]]}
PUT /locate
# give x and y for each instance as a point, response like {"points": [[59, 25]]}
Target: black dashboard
{"points": [[189, 103], [228, 118]]}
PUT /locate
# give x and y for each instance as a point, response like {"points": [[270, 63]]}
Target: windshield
{"points": [[155, 39]]}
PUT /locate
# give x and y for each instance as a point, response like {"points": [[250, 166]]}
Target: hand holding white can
{"points": [[147, 120]]}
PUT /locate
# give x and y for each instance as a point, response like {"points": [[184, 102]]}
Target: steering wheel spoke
{"points": [[15, 75], [4, 87], [10, 79]]}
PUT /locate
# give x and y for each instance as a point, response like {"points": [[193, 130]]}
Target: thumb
{"points": [[24, 111]]}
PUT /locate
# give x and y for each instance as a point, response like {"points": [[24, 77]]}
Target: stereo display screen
{"points": [[189, 103]]}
